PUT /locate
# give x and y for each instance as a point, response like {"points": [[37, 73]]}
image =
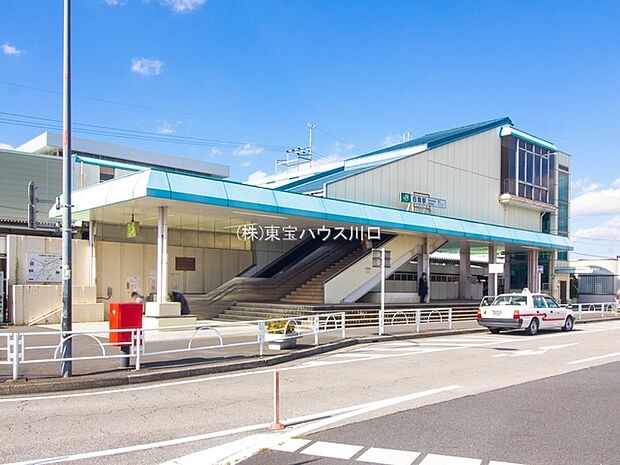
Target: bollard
{"points": [[261, 338], [343, 319], [276, 425], [316, 327]]}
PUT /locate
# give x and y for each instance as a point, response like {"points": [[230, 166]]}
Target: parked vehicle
{"points": [[525, 310]]}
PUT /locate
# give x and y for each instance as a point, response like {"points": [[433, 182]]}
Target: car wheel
{"points": [[495, 330], [569, 325], [532, 329]]}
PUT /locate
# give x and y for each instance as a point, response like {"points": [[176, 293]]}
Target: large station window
{"points": [[527, 170], [563, 195]]}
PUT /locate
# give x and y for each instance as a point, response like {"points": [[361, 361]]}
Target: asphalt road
{"points": [[217, 416], [569, 419]]}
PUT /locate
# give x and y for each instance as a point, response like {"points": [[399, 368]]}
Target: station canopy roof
{"points": [[200, 203]]}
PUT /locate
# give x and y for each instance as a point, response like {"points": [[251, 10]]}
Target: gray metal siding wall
{"points": [[16, 171], [465, 172]]}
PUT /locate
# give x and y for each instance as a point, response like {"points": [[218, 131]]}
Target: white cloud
{"points": [[215, 151], [248, 150], [607, 230], [598, 202], [115, 2], [146, 66], [256, 176], [6, 146], [9, 49], [391, 139], [581, 186], [164, 127], [183, 6], [616, 183], [245, 164]]}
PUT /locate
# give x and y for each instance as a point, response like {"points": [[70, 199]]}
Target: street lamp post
{"points": [[67, 294]]}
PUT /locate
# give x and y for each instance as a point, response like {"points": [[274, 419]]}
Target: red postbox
{"points": [[124, 315]]}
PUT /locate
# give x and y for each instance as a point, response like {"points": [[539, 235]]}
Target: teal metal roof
{"points": [[316, 182], [186, 188], [436, 139], [107, 163]]}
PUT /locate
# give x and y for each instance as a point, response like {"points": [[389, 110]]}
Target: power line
{"points": [[148, 107], [17, 119]]}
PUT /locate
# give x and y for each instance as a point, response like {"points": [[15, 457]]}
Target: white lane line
{"points": [[333, 450], [591, 359], [140, 447], [252, 445], [388, 456], [392, 349], [560, 346], [303, 366], [291, 445], [433, 459], [495, 462], [452, 344]]}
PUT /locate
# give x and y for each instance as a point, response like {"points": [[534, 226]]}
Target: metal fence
{"points": [[19, 349], [587, 309]]}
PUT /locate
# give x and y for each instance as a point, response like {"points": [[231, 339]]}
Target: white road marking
{"points": [[591, 359], [388, 456], [306, 365], [560, 346], [333, 450], [325, 419], [140, 447], [291, 445], [494, 462], [433, 459]]}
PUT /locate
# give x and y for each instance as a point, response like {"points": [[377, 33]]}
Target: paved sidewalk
{"points": [[209, 359]]}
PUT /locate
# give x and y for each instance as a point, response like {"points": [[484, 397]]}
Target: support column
{"points": [[464, 272], [506, 271], [162, 254], [92, 253], [492, 278], [424, 266], [532, 270]]}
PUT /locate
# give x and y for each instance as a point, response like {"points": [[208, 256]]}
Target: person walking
{"points": [[137, 298], [423, 288]]}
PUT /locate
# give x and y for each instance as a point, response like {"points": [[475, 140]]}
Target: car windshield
{"points": [[511, 300]]}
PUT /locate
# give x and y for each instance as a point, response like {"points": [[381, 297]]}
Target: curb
{"points": [[22, 387]]}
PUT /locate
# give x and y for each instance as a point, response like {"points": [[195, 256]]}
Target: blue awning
{"points": [[186, 188]]}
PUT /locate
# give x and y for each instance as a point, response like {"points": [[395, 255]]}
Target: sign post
{"points": [[495, 269], [541, 270], [381, 258]]}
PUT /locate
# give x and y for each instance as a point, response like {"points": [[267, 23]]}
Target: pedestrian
{"points": [[423, 288], [178, 297], [137, 298]]}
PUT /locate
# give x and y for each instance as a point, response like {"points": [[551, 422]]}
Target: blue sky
{"points": [[250, 74]]}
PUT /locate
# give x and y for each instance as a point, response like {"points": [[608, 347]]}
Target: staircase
{"points": [[311, 292], [253, 311]]}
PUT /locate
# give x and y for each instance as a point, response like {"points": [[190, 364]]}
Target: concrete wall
{"points": [[127, 267], [30, 302], [466, 173]]}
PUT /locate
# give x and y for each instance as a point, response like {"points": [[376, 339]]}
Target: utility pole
{"points": [[67, 293]]}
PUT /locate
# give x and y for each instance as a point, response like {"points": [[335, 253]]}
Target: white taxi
{"points": [[526, 310]]}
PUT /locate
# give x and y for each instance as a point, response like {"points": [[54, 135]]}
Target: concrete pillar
{"points": [[506, 271], [465, 272], [533, 282], [424, 266], [162, 254], [492, 278], [92, 254]]}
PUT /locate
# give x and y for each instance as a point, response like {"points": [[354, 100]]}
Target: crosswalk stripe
{"points": [[388, 456], [434, 459], [332, 450]]}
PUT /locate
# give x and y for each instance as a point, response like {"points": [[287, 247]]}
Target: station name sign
{"points": [[422, 200]]}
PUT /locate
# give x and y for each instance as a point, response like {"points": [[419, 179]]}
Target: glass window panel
{"points": [[521, 190], [537, 170], [512, 164], [529, 170], [528, 192], [522, 165], [545, 172]]}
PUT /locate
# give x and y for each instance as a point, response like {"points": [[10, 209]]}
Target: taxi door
{"points": [[557, 314]]}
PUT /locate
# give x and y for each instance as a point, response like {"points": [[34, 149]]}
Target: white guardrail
{"points": [[18, 349], [594, 308], [415, 316]]}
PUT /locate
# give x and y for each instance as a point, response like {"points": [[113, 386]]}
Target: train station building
{"points": [[480, 209]]}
